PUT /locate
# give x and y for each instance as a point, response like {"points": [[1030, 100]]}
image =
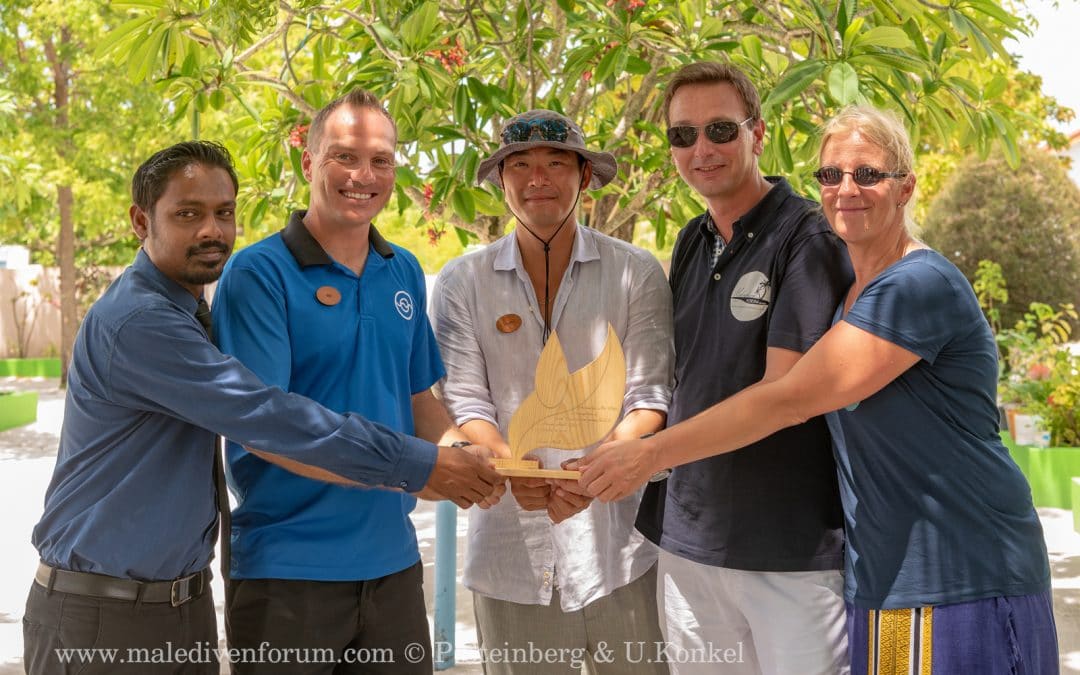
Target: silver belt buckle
{"points": [[182, 585]]}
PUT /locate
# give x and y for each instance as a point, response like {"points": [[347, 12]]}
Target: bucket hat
{"points": [[549, 129]]}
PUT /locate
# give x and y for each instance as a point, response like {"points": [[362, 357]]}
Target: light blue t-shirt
{"points": [[936, 512], [362, 344]]}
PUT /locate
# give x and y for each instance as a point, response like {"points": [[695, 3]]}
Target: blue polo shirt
{"points": [[773, 505], [310, 325], [132, 493], [937, 512]]}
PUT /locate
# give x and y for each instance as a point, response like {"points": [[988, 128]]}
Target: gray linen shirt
{"points": [[514, 555]]}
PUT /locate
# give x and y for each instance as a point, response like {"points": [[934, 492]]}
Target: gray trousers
{"points": [[615, 635]]}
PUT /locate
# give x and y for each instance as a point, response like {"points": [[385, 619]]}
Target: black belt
{"points": [[176, 592]]}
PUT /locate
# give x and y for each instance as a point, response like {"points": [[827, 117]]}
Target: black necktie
{"points": [[202, 314]]}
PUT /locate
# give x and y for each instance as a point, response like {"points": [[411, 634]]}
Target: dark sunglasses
{"points": [[553, 131], [864, 176], [721, 132]]}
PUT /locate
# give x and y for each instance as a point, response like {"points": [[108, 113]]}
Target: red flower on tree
{"points": [[453, 56], [298, 135]]}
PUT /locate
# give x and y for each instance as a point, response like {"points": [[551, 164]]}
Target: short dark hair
{"points": [[152, 177], [711, 72], [357, 98]]}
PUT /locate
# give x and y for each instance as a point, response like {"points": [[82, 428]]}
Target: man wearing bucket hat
{"points": [[558, 580]]}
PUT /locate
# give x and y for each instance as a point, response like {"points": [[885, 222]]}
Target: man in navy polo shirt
{"points": [[329, 309], [751, 541], [131, 512]]}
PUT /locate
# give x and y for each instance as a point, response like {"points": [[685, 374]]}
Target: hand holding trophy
{"points": [[566, 411]]}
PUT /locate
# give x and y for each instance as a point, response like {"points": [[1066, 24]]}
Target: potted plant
{"points": [[1038, 374]]}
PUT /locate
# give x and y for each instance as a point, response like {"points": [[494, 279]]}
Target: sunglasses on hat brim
{"points": [[522, 131]]}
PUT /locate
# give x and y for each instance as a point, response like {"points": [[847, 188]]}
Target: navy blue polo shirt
{"points": [[132, 493], [310, 325], [773, 505]]}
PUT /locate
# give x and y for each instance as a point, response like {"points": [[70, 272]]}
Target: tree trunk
{"points": [[601, 219], [65, 254], [65, 201]]}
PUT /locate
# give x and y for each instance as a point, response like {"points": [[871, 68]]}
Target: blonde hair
{"points": [[884, 129]]}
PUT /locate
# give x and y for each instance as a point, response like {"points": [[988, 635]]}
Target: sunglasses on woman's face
{"points": [[724, 131], [864, 176]]}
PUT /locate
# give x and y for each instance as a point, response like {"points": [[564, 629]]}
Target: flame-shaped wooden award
{"points": [[566, 411]]}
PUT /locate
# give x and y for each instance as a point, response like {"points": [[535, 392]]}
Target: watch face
{"points": [[660, 475]]}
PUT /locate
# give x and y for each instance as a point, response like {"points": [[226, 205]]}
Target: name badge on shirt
{"points": [[508, 323], [328, 295]]}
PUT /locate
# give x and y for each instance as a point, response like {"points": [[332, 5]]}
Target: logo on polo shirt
{"points": [[751, 296], [404, 304]]}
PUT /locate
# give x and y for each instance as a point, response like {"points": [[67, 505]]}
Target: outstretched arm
{"points": [[847, 365]]}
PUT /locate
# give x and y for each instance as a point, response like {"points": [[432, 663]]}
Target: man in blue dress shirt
{"points": [[130, 515]]}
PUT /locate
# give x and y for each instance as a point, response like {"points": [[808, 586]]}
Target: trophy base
{"points": [[528, 468]]}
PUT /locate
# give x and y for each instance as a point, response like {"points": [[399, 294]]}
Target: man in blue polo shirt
{"points": [[131, 512], [751, 541], [329, 309]]}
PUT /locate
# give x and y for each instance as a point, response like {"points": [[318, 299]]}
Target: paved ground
{"points": [[27, 455]]}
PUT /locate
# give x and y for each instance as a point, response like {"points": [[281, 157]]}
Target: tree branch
{"points": [[397, 59], [934, 6], [629, 214], [532, 64], [257, 76], [282, 29]]}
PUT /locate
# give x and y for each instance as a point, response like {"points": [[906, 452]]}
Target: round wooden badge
{"points": [[508, 323], [328, 295]]}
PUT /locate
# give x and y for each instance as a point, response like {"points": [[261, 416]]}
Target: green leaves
{"points": [[418, 29], [843, 83], [451, 72], [879, 36], [795, 81]]}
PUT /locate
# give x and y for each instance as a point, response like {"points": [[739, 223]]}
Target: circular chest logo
{"points": [[328, 295], [751, 296], [508, 323], [404, 304]]}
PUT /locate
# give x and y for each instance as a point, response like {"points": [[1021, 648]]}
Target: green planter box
{"points": [[17, 408], [29, 367], [1049, 471]]}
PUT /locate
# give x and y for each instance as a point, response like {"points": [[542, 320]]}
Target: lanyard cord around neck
{"points": [[547, 258]]}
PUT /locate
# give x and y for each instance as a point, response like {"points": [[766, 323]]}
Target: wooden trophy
{"points": [[566, 411]]}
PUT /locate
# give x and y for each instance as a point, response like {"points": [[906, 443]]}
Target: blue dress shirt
{"points": [[132, 494]]}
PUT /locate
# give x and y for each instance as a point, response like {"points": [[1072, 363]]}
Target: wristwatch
{"points": [[662, 474], [460, 444]]}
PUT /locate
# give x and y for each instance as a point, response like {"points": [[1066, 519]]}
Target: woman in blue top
{"points": [[946, 568]]}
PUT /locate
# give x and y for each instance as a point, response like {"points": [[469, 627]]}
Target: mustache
{"points": [[208, 246]]}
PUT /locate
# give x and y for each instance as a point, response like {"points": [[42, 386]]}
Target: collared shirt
{"points": [[518, 555], [360, 343], [132, 494], [718, 241], [774, 505]]}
